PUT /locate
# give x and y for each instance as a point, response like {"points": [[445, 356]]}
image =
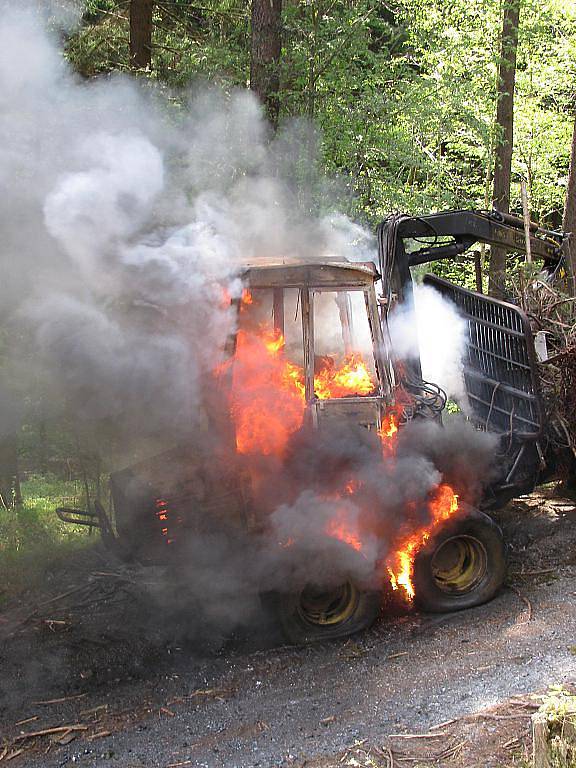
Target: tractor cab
{"points": [[310, 342]]}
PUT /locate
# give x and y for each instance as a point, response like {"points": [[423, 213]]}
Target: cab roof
{"points": [[333, 273]]}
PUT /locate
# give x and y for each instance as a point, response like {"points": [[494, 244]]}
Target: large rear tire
{"points": [[315, 615], [462, 565]]}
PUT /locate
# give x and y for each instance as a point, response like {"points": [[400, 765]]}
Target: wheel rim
{"points": [[459, 564], [328, 607]]}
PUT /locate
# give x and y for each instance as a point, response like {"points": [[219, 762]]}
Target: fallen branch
{"points": [[93, 710], [533, 573], [99, 735], [50, 731], [524, 600], [59, 701], [442, 725], [490, 716], [28, 720], [451, 752], [61, 596], [418, 735]]}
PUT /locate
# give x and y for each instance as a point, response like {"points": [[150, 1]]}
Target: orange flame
{"points": [[162, 515], [267, 402], [339, 528], [351, 486], [388, 433], [389, 427], [352, 378], [268, 394], [400, 565], [225, 297]]}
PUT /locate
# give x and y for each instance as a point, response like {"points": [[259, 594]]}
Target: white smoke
{"points": [[95, 210], [350, 239], [431, 329], [122, 219]]}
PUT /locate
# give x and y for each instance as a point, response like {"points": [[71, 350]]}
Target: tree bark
{"points": [[505, 123], [9, 479], [265, 55], [569, 218], [541, 757], [140, 33]]}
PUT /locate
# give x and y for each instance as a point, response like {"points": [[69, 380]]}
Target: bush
{"points": [[32, 538]]}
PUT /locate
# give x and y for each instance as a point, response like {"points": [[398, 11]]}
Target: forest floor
{"points": [[85, 660]]}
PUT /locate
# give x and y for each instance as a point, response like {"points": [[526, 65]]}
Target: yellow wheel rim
{"points": [[328, 607], [459, 564]]}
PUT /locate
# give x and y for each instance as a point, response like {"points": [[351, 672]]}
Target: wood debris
{"points": [[526, 602], [50, 731], [65, 738], [552, 311], [94, 710], [437, 735], [59, 701], [27, 720]]}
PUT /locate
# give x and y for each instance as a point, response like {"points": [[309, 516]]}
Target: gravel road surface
{"points": [[249, 705]]}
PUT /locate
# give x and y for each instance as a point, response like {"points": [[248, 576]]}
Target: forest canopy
{"points": [[404, 92]]}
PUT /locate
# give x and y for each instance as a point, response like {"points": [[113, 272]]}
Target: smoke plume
{"points": [[125, 227], [122, 222], [431, 330]]}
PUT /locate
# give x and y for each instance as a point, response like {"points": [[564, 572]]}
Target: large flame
{"points": [[400, 565], [267, 398], [351, 378], [268, 405]]}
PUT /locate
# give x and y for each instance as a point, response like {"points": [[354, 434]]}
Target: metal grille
{"points": [[499, 364]]}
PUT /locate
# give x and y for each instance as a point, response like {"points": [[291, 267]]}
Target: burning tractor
{"points": [[311, 362]]}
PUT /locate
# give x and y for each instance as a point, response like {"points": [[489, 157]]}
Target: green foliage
{"points": [[32, 538], [403, 92], [545, 107], [558, 703], [559, 706], [208, 41]]}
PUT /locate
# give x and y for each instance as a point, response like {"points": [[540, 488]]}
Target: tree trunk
{"points": [[265, 58], [505, 123], [140, 33], [569, 218], [9, 480]]}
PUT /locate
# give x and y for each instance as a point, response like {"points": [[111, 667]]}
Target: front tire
{"points": [[461, 566], [315, 615]]}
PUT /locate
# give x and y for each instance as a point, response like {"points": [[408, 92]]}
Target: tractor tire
{"points": [[313, 615], [461, 566]]}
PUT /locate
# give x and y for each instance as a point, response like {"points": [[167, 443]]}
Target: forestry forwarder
{"points": [[463, 563]]}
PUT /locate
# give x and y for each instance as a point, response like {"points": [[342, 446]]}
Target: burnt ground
{"points": [[125, 686]]}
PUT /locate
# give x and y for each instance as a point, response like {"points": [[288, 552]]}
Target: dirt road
{"points": [[160, 704]]}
